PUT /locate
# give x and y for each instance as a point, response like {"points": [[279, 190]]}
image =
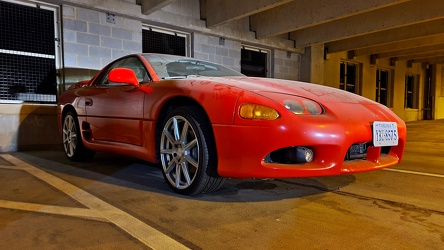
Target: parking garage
{"points": [[388, 51]]}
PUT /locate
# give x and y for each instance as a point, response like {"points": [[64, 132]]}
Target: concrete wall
{"points": [[28, 127], [189, 8]]}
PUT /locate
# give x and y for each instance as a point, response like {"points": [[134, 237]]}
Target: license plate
{"points": [[385, 134]]}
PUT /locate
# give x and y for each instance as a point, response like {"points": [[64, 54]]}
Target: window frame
{"points": [[411, 91], [344, 83]]}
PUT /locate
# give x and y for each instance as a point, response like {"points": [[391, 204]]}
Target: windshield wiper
{"points": [[181, 77], [174, 77]]}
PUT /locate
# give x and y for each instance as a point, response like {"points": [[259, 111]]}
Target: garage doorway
{"points": [[27, 53]]}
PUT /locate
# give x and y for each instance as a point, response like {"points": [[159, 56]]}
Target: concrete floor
{"points": [[116, 202]]}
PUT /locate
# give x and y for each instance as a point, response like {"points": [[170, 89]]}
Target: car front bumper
{"points": [[242, 149]]}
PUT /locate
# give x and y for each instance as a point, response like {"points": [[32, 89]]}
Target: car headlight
{"points": [[256, 111], [302, 106]]}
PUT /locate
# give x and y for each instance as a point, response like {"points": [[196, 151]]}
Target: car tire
{"points": [[188, 153], [72, 140]]}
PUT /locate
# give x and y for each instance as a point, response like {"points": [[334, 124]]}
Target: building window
{"points": [[382, 86], [410, 100], [254, 62], [156, 40], [348, 79]]}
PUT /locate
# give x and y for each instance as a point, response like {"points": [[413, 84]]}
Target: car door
{"points": [[115, 111]]}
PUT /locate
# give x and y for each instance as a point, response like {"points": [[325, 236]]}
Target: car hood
{"points": [[337, 101], [312, 91]]}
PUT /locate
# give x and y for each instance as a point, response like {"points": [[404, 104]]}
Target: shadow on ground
{"points": [[137, 174]]}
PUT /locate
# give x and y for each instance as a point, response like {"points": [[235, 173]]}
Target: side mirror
{"points": [[122, 75]]}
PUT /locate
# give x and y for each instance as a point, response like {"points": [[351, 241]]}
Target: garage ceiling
{"points": [[410, 30]]}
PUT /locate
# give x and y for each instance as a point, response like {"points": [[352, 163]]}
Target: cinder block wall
{"points": [[209, 48], [91, 40], [286, 65]]}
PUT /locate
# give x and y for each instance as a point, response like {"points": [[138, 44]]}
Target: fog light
{"points": [[290, 155], [304, 154], [299, 155]]}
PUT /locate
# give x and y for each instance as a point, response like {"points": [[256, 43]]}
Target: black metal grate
{"points": [[26, 28], [158, 42], [27, 78], [27, 53]]}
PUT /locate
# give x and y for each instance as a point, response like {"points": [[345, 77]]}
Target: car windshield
{"points": [[170, 67]]}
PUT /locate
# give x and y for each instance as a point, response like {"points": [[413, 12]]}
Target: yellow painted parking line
{"points": [[413, 172], [133, 226], [9, 167], [49, 209]]}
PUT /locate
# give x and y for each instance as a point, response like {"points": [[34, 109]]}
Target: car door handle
{"points": [[88, 102]]}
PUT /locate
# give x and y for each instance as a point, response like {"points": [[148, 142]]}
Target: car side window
{"points": [[135, 65], [103, 79]]}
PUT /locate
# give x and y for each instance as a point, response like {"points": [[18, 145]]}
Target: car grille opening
{"points": [[385, 150], [359, 151]]}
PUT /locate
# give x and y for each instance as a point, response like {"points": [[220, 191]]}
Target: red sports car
{"points": [[205, 122]]}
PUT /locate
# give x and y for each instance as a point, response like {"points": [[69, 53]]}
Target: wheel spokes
{"points": [[168, 135], [177, 182], [193, 162], [176, 129], [185, 172], [171, 166], [167, 151], [183, 135], [191, 145]]}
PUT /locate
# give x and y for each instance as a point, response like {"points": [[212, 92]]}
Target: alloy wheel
{"points": [[69, 136], [179, 152]]}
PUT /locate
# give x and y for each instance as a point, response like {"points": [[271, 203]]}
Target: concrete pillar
{"points": [[437, 92], [399, 87], [305, 68], [312, 64], [317, 64]]}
